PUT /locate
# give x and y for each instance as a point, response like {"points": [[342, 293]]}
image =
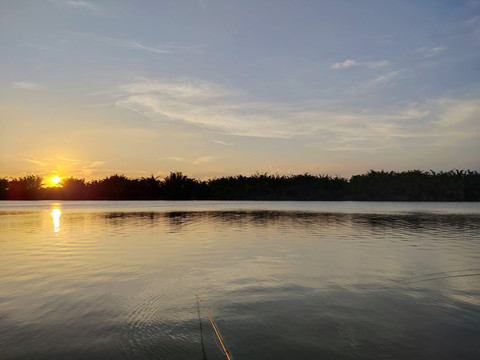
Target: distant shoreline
{"points": [[412, 185]]}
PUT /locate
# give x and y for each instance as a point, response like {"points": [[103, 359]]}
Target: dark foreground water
{"points": [[282, 280]]}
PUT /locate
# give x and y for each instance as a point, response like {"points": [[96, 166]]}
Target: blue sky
{"points": [[223, 87]]}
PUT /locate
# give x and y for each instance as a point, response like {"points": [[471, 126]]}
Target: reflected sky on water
{"points": [[389, 280]]}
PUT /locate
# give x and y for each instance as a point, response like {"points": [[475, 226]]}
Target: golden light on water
{"points": [[56, 219]]}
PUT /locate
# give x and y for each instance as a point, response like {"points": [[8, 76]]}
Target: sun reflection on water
{"points": [[56, 219]]}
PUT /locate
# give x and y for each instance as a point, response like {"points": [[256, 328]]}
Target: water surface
{"points": [[282, 280]]}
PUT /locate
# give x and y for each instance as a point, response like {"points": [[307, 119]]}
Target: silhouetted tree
{"points": [[25, 188], [74, 189], [177, 186], [472, 186], [114, 187], [3, 188], [148, 188], [412, 185]]}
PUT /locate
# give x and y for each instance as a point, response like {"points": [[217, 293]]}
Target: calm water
{"points": [[282, 280]]}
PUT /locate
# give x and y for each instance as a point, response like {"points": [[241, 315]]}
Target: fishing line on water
{"points": [[217, 332], [431, 277], [204, 355], [444, 275], [441, 275], [438, 278]]}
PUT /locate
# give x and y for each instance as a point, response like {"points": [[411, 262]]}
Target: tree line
{"points": [[412, 185]]}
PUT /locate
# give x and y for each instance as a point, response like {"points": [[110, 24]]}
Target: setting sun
{"points": [[53, 181]]}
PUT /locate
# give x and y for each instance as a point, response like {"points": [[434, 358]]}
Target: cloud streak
{"points": [[83, 5], [208, 106], [197, 161], [203, 160], [65, 165], [135, 45], [349, 63], [431, 51], [378, 80], [79, 4], [344, 65], [25, 85], [222, 142]]}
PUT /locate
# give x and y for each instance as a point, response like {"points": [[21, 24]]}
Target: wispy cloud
{"points": [[83, 164], [79, 4], [376, 64], [431, 51], [96, 163], [345, 64], [459, 112], [471, 22], [198, 103], [379, 81], [88, 168], [41, 47], [64, 165], [222, 142], [56, 46], [157, 50], [69, 159], [354, 63], [382, 79], [190, 89], [208, 106], [456, 121], [35, 161], [197, 161], [203, 160], [84, 5], [26, 85], [132, 44], [174, 158]]}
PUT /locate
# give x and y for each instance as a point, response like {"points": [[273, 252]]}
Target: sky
{"points": [[225, 87]]}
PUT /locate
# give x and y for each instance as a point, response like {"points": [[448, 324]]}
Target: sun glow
{"points": [[53, 181]]}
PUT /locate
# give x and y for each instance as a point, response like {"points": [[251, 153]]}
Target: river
{"points": [[281, 280]]}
